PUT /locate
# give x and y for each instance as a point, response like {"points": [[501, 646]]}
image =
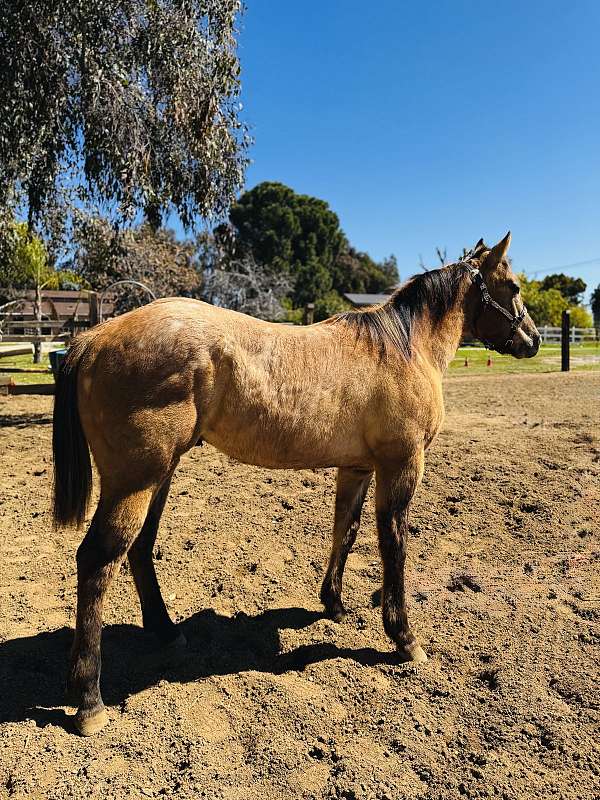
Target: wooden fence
{"points": [[53, 316], [552, 335]]}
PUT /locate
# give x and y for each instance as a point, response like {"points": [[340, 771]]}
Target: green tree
{"points": [[354, 271], [301, 236], [313, 281], [581, 317], [132, 104], [328, 305], [24, 264], [289, 233], [572, 289], [545, 306], [24, 261]]}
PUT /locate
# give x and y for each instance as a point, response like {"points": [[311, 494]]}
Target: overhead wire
{"points": [[542, 271]]}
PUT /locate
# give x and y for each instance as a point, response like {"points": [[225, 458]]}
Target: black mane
{"points": [[392, 323]]}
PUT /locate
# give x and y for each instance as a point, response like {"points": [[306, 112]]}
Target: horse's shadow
{"points": [[33, 669]]}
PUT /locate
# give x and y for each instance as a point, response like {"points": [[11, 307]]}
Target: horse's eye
{"points": [[514, 287]]}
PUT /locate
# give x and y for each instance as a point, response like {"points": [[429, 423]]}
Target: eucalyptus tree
{"points": [[130, 107]]}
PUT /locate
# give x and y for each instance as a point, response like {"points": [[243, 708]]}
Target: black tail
{"points": [[72, 463]]}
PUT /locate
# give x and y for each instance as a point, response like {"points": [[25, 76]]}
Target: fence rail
{"points": [[47, 316], [552, 334]]}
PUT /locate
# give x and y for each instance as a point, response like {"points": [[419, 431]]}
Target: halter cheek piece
{"points": [[488, 302]]}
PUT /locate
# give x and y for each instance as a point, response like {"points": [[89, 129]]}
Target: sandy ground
{"points": [[271, 700]]}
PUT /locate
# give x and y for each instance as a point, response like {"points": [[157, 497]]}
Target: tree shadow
{"points": [[33, 668]]}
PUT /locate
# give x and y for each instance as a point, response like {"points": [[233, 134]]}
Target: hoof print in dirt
{"points": [[461, 581], [530, 507], [490, 677]]}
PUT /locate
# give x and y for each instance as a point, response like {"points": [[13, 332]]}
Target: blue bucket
{"points": [[56, 358]]}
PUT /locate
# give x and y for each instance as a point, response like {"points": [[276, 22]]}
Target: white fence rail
{"points": [[552, 335]]}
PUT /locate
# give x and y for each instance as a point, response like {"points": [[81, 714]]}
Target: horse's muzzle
{"points": [[527, 346]]}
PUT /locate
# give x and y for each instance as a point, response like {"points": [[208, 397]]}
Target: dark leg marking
{"points": [[154, 612], [115, 525], [352, 487], [395, 490]]}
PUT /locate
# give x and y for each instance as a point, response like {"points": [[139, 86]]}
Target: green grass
{"points": [[583, 357], [26, 362]]}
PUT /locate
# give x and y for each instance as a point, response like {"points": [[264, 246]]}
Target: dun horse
{"points": [[361, 391]]}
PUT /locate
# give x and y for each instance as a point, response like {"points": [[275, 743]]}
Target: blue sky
{"points": [[427, 124]]}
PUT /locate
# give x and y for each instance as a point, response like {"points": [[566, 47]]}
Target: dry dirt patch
{"points": [[273, 701]]}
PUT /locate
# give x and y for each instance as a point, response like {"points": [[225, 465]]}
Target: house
{"points": [[363, 300]]}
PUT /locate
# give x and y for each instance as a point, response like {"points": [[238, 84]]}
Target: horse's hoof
{"points": [[88, 725], [336, 612], [412, 652]]}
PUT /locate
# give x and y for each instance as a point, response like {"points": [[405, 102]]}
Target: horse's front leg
{"points": [[154, 613], [396, 486], [352, 486]]}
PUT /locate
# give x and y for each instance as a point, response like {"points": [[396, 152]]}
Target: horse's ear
{"points": [[478, 245], [498, 252]]}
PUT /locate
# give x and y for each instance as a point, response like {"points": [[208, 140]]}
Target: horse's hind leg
{"points": [[116, 523], [154, 613], [352, 486]]}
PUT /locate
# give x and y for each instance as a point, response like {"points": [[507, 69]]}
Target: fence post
{"points": [[93, 309], [309, 313], [564, 341]]}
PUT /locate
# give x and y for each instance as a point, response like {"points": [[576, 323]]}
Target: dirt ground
{"points": [[270, 700]]}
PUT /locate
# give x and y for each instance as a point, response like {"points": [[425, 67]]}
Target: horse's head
{"points": [[495, 311]]}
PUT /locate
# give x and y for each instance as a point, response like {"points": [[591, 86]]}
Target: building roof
{"points": [[360, 300]]}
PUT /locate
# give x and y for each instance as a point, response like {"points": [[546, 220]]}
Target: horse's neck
{"points": [[441, 338]]}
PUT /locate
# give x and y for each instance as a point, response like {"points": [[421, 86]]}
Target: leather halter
{"points": [[488, 302]]}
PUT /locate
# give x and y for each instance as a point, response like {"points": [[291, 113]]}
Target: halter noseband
{"points": [[488, 302]]}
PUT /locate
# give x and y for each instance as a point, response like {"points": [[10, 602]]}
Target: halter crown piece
{"points": [[488, 302]]}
